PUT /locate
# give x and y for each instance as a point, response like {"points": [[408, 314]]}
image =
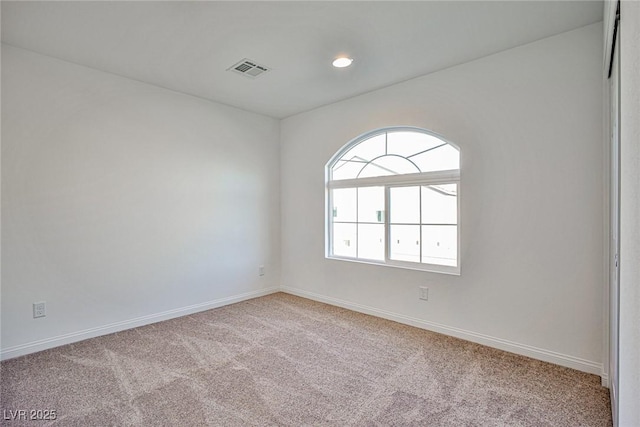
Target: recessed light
{"points": [[342, 62]]}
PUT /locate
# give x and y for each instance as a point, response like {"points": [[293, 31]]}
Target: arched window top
{"points": [[394, 151]]}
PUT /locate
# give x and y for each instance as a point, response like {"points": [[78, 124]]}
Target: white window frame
{"points": [[389, 181]]}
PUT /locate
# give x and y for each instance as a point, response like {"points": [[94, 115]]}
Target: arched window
{"points": [[393, 199]]}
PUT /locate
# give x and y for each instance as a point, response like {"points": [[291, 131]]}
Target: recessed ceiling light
{"points": [[342, 62]]}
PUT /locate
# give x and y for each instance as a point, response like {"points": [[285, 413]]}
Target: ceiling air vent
{"points": [[248, 68]]}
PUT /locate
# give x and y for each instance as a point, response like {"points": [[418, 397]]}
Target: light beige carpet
{"points": [[284, 360]]}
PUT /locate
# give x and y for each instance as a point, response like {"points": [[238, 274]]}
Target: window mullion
{"points": [[330, 222], [420, 221], [439, 177], [357, 221], [387, 227], [386, 143]]}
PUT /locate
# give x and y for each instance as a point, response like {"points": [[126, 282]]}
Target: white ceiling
{"points": [[187, 46]]}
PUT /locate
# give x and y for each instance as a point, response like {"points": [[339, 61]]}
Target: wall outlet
{"points": [[39, 309], [261, 270], [424, 293]]}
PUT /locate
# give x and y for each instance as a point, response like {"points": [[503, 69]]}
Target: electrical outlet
{"points": [[39, 309], [424, 293], [261, 270]]}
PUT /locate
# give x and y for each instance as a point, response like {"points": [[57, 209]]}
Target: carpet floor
{"points": [[281, 360]]}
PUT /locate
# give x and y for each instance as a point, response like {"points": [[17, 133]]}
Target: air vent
{"points": [[248, 68]]}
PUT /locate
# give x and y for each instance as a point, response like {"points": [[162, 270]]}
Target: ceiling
{"points": [[188, 46]]}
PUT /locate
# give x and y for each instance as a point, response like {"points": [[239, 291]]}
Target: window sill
{"points": [[428, 268]]}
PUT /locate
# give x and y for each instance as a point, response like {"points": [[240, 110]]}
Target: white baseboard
{"points": [[605, 379], [510, 346], [35, 346]]}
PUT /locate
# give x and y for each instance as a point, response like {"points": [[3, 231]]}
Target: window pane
{"points": [[405, 243], [388, 165], [439, 159], [440, 244], [404, 205], [371, 204], [347, 169], [344, 240], [367, 150], [440, 204], [344, 204], [352, 162], [371, 241], [409, 143]]}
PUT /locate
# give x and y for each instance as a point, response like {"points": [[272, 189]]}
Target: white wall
{"points": [[529, 124], [629, 341], [122, 200]]}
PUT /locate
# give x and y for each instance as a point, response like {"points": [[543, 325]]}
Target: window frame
{"points": [[451, 176]]}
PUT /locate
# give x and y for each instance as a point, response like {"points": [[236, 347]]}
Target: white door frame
{"points": [[614, 230]]}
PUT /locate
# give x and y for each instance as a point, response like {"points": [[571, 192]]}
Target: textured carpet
{"points": [[284, 360]]}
